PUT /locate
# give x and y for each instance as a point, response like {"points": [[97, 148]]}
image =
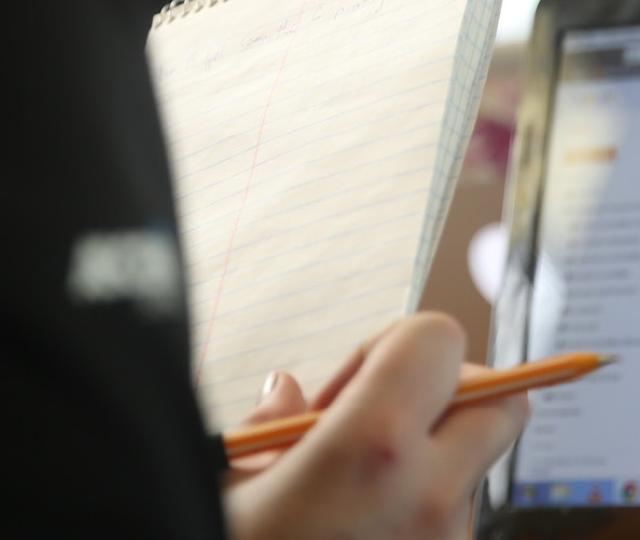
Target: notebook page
{"points": [[303, 138], [473, 55]]}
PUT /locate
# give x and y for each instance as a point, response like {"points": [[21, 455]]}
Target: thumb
{"points": [[281, 396]]}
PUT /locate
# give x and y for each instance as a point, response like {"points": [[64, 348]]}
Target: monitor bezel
{"points": [[523, 203]]}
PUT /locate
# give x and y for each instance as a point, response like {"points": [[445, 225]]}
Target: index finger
{"points": [[408, 377]]}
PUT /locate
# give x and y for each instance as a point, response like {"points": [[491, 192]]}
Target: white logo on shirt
{"points": [[141, 266]]}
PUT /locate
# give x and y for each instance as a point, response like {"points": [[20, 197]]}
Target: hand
{"points": [[384, 461]]}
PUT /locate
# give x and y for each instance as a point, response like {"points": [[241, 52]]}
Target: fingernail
{"points": [[269, 385]]}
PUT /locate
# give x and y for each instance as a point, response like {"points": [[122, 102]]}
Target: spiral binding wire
{"points": [[181, 8]]}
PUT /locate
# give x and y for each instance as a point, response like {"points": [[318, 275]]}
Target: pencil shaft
{"points": [[491, 385]]}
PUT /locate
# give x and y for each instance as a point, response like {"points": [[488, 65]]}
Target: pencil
{"points": [[472, 389]]}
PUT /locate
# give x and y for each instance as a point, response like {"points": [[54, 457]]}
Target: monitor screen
{"points": [[582, 445]]}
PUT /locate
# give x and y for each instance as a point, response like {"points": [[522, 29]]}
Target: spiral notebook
{"points": [[315, 147]]}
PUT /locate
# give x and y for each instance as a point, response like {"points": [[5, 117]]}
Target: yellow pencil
{"points": [[493, 384]]}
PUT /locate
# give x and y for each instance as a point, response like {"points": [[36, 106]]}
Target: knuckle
{"points": [[384, 442], [377, 454], [448, 326]]}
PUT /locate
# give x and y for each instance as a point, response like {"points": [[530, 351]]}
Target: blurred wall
{"points": [[477, 201]]}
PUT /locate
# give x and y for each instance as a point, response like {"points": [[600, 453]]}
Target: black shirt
{"points": [[100, 431]]}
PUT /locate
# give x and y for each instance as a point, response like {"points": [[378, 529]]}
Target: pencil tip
{"points": [[608, 359]]}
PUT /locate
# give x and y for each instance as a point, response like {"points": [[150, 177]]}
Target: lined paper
{"points": [[307, 145]]}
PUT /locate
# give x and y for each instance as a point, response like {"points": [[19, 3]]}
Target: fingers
{"points": [[409, 376], [470, 439], [281, 397], [464, 444]]}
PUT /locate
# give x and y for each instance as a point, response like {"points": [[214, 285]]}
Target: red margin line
{"points": [[245, 196]]}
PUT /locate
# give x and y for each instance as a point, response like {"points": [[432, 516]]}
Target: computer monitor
{"points": [[572, 280]]}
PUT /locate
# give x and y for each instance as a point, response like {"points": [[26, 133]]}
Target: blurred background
{"points": [[467, 268]]}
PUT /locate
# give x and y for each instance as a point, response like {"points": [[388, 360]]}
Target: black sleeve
{"points": [[101, 435]]}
